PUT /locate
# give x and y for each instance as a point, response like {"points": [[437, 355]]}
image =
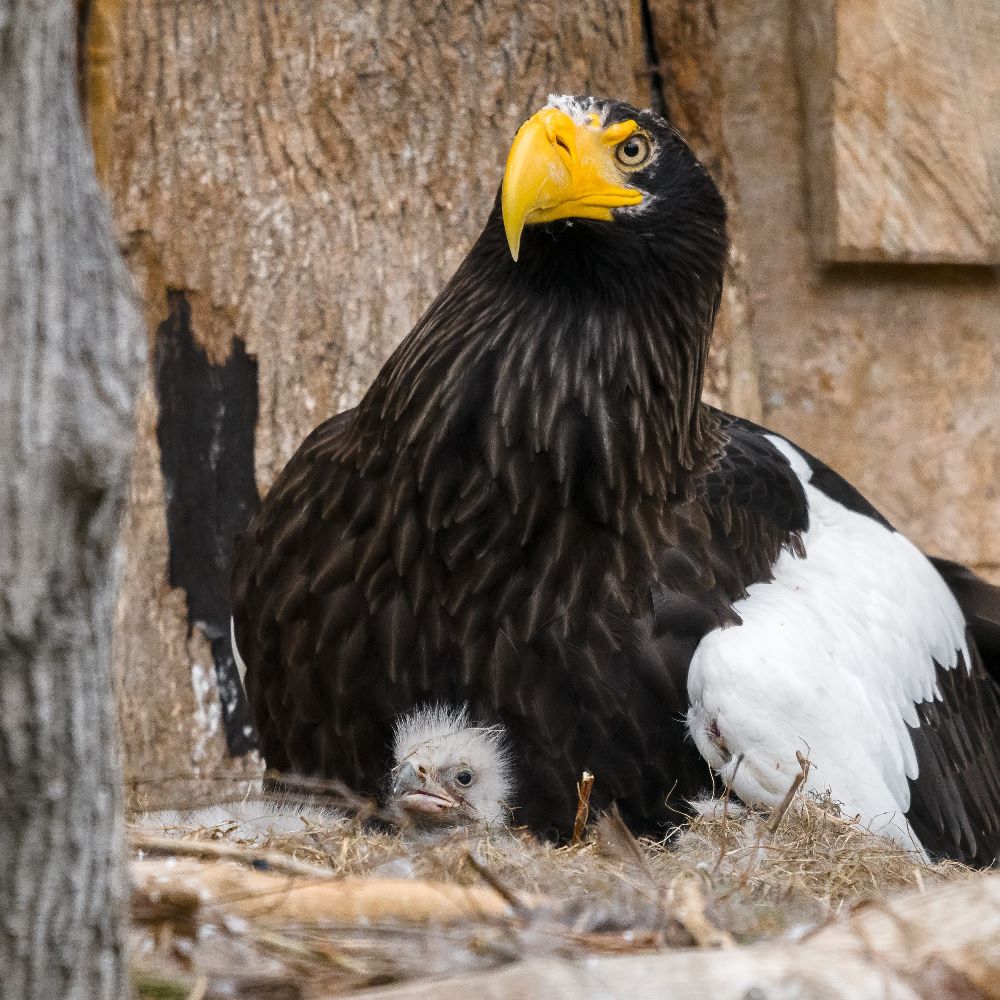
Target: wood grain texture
{"points": [[889, 374], [71, 345], [903, 127], [307, 174]]}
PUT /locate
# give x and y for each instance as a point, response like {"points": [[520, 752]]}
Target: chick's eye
{"points": [[464, 777], [633, 151]]}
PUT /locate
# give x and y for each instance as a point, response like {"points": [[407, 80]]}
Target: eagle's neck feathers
{"points": [[565, 397]]}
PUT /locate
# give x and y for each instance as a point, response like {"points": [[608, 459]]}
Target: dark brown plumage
{"points": [[530, 512]]}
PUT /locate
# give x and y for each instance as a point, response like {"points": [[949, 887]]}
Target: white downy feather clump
{"points": [[254, 820]]}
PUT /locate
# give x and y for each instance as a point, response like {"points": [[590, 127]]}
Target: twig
{"points": [[728, 792], [583, 789], [772, 825], [786, 802], [329, 792], [212, 850], [150, 985], [281, 900], [491, 879], [726, 795], [319, 950]]}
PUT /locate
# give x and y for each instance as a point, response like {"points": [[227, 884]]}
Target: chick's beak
{"points": [[420, 796], [558, 168]]}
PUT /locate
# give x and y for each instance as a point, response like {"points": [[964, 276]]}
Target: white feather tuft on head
{"points": [[577, 108]]}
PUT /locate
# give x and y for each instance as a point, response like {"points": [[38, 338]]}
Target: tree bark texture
{"points": [[71, 350], [687, 65], [293, 183]]}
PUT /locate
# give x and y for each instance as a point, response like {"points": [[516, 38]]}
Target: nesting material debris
{"points": [[252, 820], [330, 909], [942, 945]]}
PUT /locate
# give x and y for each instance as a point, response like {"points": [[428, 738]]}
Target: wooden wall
{"points": [[888, 365], [291, 188]]}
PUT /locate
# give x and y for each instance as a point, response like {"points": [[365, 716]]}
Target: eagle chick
{"points": [[450, 771]]}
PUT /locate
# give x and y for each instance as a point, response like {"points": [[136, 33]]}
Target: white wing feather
{"points": [[831, 659]]}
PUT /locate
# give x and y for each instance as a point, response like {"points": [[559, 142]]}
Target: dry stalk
{"points": [[616, 840], [797, 782], [497, 885], [211, 850], [583, 789], [278, 900], [727, 794]]}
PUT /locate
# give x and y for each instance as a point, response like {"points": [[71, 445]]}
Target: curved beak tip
{"points": [[406, 779], [513, 240], [531, 171]]}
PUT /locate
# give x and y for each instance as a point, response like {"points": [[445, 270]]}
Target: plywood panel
{"points": [[891, 374], [902, 116]]}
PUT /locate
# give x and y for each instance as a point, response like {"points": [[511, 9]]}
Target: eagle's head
{"points": [[619, 182], [449, 771]]}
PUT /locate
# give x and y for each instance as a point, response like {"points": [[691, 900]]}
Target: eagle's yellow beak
{"points": [[561, 169]]}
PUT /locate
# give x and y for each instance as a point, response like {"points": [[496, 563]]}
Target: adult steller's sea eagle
{"points": [[531, 512]]}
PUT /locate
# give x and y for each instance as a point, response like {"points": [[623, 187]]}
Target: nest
{"points": [[335, 908]]}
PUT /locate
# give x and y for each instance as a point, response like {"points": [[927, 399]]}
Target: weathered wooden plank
{"points": [[902, 121]]}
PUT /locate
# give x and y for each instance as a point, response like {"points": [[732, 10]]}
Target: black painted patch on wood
{"points": [[207, 418], [657, 92]]}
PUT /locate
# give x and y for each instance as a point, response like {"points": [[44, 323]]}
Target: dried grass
{"points": [[727, 876]]}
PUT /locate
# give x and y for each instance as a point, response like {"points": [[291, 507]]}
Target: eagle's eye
{"points": [[464, 777], [634, 151]]}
